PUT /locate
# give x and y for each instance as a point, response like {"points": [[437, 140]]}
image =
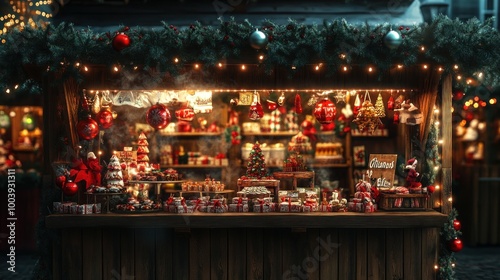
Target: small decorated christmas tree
{"points": [[256, 167], [114, 176], [142, 151], [379, 106]]}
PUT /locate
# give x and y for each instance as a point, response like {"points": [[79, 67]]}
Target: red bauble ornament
{"points": [[70, 188], [458, 95], [256, 111], [60, 181], [120, 41], [298, 104], [87, 128], [390, 103], [184, 126], [158, 116], [457, 225], [325, 111], [431, 189], [105, 118], [271, 105], [455, 245]]}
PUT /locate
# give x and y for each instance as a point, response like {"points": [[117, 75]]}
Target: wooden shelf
{"points": [[331, 165], [271, 134], [193, 166], [421, 219], [192, 134]]}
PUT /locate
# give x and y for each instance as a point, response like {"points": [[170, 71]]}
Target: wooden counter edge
{"points": [[422, 219]]}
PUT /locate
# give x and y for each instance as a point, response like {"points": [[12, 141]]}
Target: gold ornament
{"points": [[367, 118]]}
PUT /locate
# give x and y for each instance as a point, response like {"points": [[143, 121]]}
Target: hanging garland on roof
{"points": [[471, 46]]}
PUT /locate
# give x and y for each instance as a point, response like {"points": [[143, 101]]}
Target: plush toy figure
{"points": [[411, 177], [95, 169]]}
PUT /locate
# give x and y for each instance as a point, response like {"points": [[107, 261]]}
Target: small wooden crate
{"points": [[387, 202], [271, 184]]}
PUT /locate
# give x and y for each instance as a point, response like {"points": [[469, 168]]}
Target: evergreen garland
{"points": [[432, 158], [63, 48], [446, 256]]}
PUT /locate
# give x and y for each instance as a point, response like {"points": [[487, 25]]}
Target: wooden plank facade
{"points": [[327, 253]]}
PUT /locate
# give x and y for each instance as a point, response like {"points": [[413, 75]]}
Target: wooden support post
{"points": [[447, 151]]}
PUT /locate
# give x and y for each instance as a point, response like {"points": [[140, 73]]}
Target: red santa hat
{"points": [[91, 155], [411, 161]]}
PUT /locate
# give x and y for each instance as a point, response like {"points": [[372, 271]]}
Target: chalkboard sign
{"points": [[381, 168]]}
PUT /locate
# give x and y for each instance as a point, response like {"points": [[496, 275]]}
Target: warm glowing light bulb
{"points": [[425, 66], [493, 101], [85, 68], [436, 111], [452, 264], [176, 60], [345, 68], [7, 91], [440, 141], [436, 266], [476, 105], [294, 67], [437, 123], [220, 65], [456, 66], [317, 67], [440, 69], [261, 57], [370, 69], [450, 199], [243, 67], [422, 48], [459, 77], [16, 86], [400, 66], [196, 66], [116, 69]]}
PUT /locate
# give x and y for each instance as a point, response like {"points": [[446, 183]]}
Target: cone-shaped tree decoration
{"points": [[256, 166], [379, 106]]}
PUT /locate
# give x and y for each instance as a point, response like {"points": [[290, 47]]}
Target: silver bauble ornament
{"points": [[393, 39], [258, 40]]}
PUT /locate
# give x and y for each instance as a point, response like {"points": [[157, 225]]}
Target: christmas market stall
{"points": [[237, 151]]}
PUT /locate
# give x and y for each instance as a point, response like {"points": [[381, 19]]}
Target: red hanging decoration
{"points": [[396, 118], [457, 225], [325, 111], [298, 104], [120, 42], [158, 116], [105, 118], [357, 105], [256, 111], [87, 128], [70, 188], [60, 181], [390, 103], [455, 245], [271, 105], [185, 114]]}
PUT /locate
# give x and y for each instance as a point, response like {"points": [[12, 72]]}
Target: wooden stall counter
{"points": [[380, 245]]}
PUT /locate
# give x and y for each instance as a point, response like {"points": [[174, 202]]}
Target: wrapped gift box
{"points": [[240, 200], [310, 207], [181, 209], [238, 207], [325, 208], [290, 207], [264, 207]]}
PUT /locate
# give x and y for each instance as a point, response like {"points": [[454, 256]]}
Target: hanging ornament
{"points": [[70, 188], [313, 100], [271, 105], [84, 105], [60, 181], [87, 128], [96, 104], [325, 111], [458, 95], [185, 113], [367, 119], [455, 245], [158, 116], [121, 41], [457, 225], [256, 111], [357, 105], [339, 97], [379, 106], [4, 120], [298, 104], [390, 103], [395, 119], [105, 118], [393, 39], [281, 99], [258, 40]]}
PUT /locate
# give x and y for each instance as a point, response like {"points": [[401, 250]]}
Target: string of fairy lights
{"points": [[24, 14]]}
